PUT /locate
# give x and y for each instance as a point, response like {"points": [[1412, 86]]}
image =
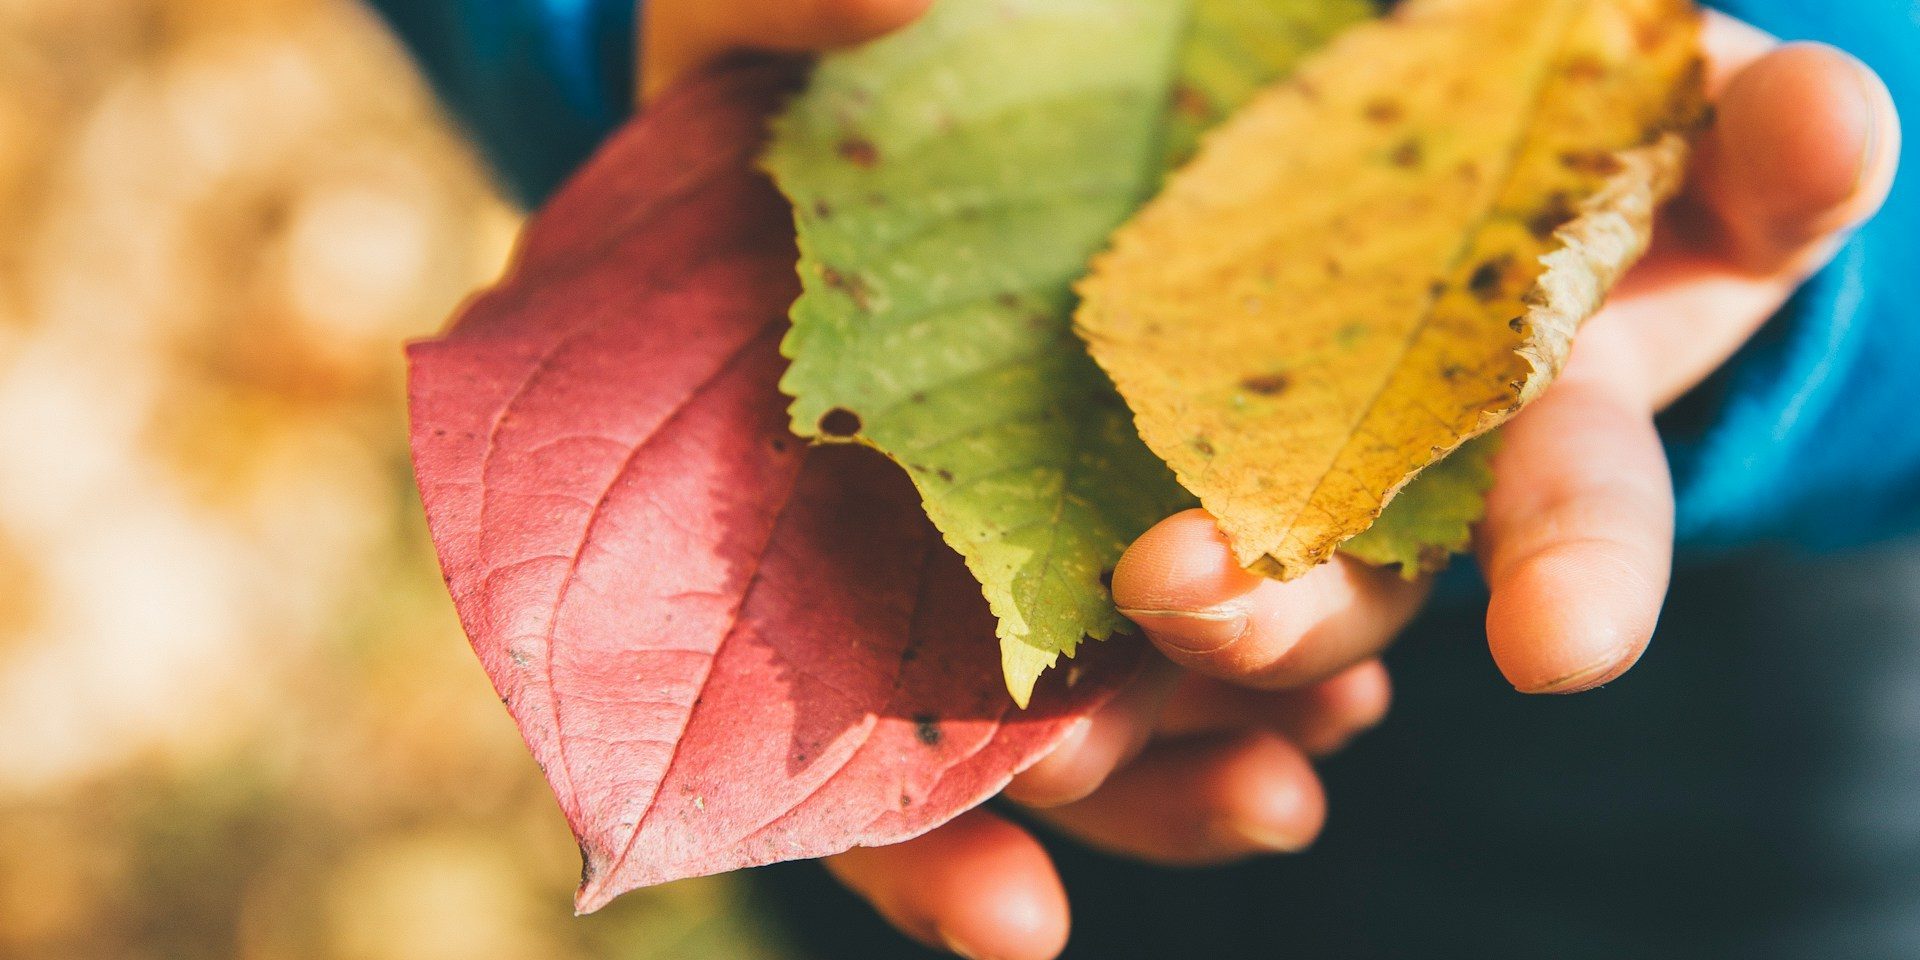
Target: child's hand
{"points": [[678, 35], [1576, 547]]}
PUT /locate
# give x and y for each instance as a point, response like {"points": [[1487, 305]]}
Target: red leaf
{"points": [[724, 648]]}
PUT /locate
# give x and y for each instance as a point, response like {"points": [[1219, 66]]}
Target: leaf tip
{"points": [[1022, 664], [596, 889]]}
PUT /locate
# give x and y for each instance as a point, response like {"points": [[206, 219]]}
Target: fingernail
{"points": [[1239, 834], [1583, 679], [1871, 93], [958, 949], [1193, 631]]}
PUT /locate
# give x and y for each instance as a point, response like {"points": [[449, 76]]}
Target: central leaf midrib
{"points": [[1541, 82]]}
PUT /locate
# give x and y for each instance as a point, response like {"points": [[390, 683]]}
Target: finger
{"points": [[979, 887], [1578, 539], [678, 36], [1320, 719], [1180, 583], [805, 25], [1804, 148], [1099, 744], [1202, 801], [1804, 145]]}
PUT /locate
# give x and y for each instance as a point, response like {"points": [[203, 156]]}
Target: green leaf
{"points": [[950, 182], [1235, 47], [1432, 519]]}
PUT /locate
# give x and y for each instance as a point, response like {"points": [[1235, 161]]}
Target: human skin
{"points": [[1207, 759]]}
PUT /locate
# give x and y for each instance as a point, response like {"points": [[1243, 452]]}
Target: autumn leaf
{"points": [[1390, 253], [950, 183], [723, 648], [1232, 50]]}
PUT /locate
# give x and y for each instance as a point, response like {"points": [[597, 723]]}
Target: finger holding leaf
{"points": [[1579, 536]]}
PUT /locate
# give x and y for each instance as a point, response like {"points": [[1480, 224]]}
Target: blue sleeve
{"points": [[1812, 434], [538, 83]]}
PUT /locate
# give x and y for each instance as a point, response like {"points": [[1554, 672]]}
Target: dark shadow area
{"points": [[1752, 790]]}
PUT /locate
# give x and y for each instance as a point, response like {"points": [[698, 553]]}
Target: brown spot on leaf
{"points": [[1408, 154], [1585, 68], [944, 474], [1599, 163], [926, 727], [1551, 216], [860, 152], [1192, 103], [1385, 111], [1267, 385], [1517, 325], [851, 285], [822, 209], [840, 423], [1490, 278]]}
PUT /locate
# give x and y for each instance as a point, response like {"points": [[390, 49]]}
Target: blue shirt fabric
{"points": [[1810, 436], [1816, 439], [538, 83]]}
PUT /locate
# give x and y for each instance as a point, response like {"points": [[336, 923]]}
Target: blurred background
{"points": [[237, 717]]}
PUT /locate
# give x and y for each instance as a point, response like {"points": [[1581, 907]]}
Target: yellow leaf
{"points": [[1390, 253]]}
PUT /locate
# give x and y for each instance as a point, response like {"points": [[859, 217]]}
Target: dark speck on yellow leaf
{"points": [[1490, 277], [1267, 385], [1599, 163], [1385, 110]]}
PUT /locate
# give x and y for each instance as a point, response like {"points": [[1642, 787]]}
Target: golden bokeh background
{"points": [[237, 718]]}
